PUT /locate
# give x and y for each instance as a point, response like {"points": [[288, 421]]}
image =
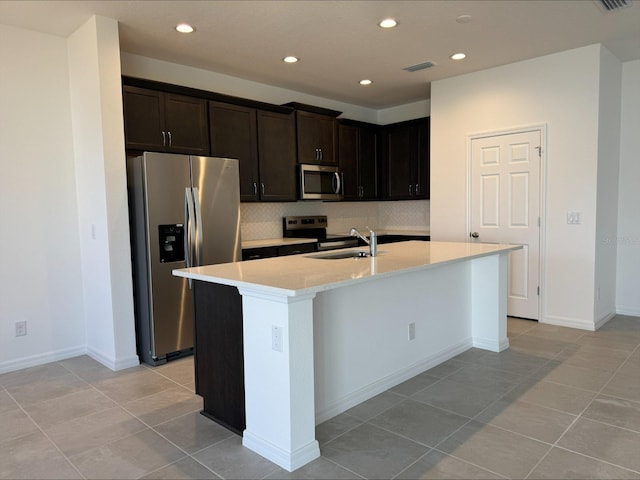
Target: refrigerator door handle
{"points": [[198, 227], [189, 221]]}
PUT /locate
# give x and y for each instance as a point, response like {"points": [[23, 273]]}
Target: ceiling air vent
{"points": [[610, 5], [420, 66]]}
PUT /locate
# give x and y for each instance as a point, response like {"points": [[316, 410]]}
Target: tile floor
{"points": [[560, 403]]}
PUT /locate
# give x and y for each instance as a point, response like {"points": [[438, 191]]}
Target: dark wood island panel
{"points": [[219, 362]]}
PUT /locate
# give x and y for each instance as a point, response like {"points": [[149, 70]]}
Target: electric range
{"points": [[315, 226]]}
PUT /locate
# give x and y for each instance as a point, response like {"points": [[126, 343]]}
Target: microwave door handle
{"points": [[338, 183]]}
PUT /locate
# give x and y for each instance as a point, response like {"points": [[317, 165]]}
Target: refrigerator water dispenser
{"points": [[171, 239]]}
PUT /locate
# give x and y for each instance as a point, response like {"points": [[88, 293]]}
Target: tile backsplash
{"points": [[264, 220]]}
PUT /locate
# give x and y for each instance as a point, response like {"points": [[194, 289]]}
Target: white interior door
{"points": [[505, 208]]}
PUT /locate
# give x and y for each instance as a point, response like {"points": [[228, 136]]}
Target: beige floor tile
{"points": [[130, 457], [615, 411], [320, 468], [518, 326], [375, 406], [93, 430], [539, 346], [7, 404], [47, 389], [134, 386], [574, 376], [597, 358], [32, 375], [164, 406], [184, 469], [373, 452], [615, 340], [193, 432], [335, 427], [527, 419], [229, 459], [437, 465], [180, 371], [624, 386], [67, 408], [555, 332], [604, 442], [495, 449], [35, 457], [561, 464], [15, 424], [413, 385], [552, 395]]}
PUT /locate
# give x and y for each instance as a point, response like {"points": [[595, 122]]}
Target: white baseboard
{"points": [[491, 345], [604, 319], [362, 394], [569, 322], [41, 358], [290, 461], [114, 364], [628, 310]]}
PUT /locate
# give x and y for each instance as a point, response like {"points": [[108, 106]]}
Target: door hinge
{"points": [[538, 221], [539, 148], [538, 291]]}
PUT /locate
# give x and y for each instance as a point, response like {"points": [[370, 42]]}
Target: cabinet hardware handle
{"points": [[169, 138], [410, 190], [417, 189], [321, 156], [255, 189], [262, 187], [164, 140]]}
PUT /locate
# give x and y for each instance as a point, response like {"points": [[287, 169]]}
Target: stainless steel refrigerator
{"points": [[184, 211]]}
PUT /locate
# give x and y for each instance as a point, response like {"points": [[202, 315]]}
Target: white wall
{"points": [[607, 189], [561, 91], [628, 239], [96, 101], [41, 279]]}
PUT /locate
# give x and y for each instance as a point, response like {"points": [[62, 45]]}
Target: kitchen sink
{"points": [[340, 255]]}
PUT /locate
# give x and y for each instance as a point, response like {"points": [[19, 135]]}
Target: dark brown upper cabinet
{"points": [[357, 159], [277, 156], [234, 134], [405, 148], [317, 134], [263, 142], [165, 122]]}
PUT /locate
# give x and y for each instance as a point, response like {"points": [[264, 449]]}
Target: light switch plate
{"points": [[574, 218]]}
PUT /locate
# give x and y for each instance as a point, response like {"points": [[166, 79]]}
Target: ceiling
{"points": [[339, 42]]}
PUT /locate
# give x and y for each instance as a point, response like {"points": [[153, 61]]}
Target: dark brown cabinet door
{"points": [[400, 160], [186, 125], [316, 135], [143, 119], [367, 165], [348, 156], [277, 156], [233, 133], [406, 148], [162, 122], [357, 156]]}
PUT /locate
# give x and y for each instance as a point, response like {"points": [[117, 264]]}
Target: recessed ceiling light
{"points": [[185, 28], [365, 82], [290, 59], [458, 56], [387, 23], [463, 18]]}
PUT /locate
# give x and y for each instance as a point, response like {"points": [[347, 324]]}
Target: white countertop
{"points": [[281, 241], [301, 274]]}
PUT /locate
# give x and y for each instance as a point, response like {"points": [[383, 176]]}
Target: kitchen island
{"points": [[322, 335]]}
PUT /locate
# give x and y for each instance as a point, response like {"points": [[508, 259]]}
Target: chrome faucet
{"points": [[372, 241]]}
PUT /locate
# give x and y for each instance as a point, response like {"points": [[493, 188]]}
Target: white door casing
{"points": [[505, 208]]}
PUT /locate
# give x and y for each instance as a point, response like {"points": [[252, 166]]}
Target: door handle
{"points": [[474, 235]]}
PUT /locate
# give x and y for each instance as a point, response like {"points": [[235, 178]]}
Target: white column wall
{"points": [[607, 191], [41, 281], [628, 238], [96, 102], [561, 91]]}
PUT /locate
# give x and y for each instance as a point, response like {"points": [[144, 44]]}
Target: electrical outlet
{"points": [[276, 338], [412, 331], [21, 328]]}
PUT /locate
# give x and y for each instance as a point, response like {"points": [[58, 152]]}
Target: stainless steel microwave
{"points": [[320, 182]]}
